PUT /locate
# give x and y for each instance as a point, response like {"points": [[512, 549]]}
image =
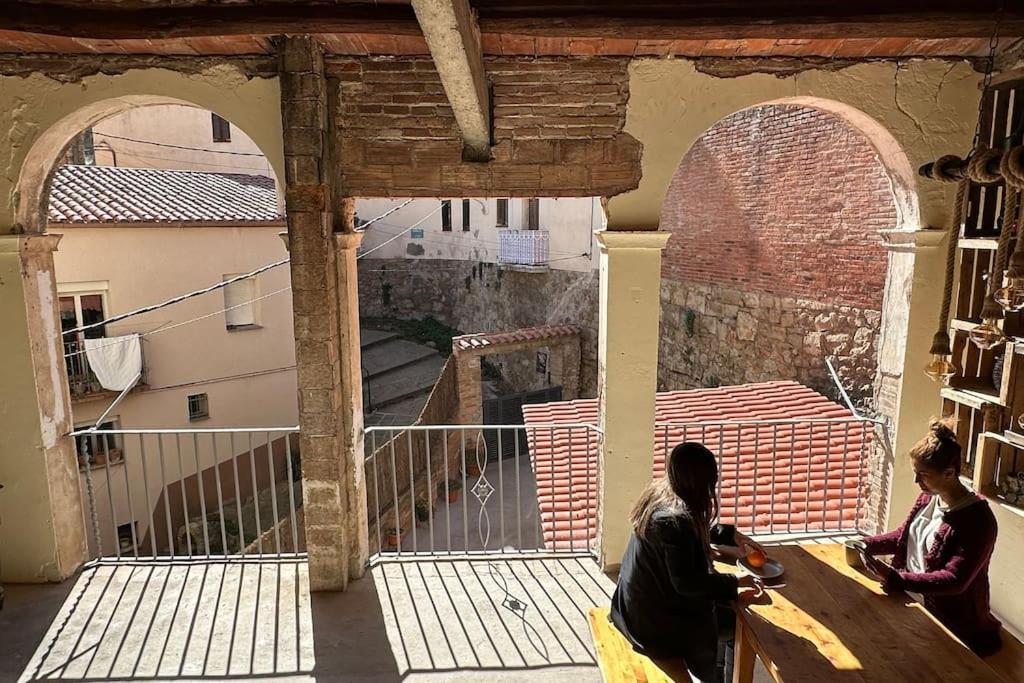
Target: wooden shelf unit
{"points": [[998, 454], [986, 395]]}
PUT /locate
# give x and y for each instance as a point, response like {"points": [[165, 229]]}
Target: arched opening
{"points": [[155, 198], [31, 196], [777, 261]]}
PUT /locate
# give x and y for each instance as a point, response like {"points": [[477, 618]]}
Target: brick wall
{"points": [[781, 199], [776, 262], [557, 129]]}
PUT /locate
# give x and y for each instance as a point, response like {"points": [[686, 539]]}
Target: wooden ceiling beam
{"points": [[153, 23], [735, 19], [681, 26], [452, 34]]}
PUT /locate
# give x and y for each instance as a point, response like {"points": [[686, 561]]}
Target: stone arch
{"points": [[49, 126]]}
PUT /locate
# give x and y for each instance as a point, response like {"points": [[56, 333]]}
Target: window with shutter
{"points": [[533, 214], [465, 215], [446, 215], [502, 221], [240, 308]]}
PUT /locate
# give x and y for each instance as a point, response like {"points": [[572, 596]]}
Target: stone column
{"points": [[565, 367], [325, 308], [42, 524], [630, 307]]}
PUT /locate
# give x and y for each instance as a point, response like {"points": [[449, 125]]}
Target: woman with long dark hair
{"points": [[667, 592]]}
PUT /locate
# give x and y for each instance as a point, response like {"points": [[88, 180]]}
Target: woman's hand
{"points": [[751, 589], [880, 570], [746, 544]]}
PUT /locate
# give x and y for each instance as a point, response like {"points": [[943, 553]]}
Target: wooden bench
{"points": [[1009, 661], [618, 661]]}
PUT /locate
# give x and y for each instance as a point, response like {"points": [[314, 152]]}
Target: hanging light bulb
{"points": [[987, 335], [939, 368], [1011, 297]]}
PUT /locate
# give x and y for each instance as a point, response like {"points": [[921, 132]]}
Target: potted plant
{"points": [[452, 490], [470, 466], [422, 512], [394, 536]]}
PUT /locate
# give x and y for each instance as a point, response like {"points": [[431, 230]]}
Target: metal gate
{"points": [[508, 410]]}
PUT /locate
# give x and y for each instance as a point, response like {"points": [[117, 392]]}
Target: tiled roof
{"points": [[807, 474], [483, 340], [111, 194]]}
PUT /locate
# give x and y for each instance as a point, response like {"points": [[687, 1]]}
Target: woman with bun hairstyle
{"points": [[941, 553]]}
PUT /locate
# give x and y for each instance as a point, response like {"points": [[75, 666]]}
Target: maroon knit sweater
{"points": [[955, 583]]}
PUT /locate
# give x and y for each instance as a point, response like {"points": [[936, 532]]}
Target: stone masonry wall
{"points": [[713, 335], [776, 262], [480, 297]]}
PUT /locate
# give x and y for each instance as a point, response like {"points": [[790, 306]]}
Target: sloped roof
{"points": [[805, 474], [486, 340], [110, 194]]}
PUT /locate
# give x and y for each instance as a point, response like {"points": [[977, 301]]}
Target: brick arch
{"points": [[786, 199], [776, 261]]}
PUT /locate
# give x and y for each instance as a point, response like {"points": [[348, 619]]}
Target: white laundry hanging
{"points": [[116, 361]]}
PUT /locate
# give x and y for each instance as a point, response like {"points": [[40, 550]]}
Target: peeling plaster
{"points": [[51, 424]]}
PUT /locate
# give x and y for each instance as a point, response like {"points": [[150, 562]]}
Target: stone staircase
{"points": [[397, 377]]}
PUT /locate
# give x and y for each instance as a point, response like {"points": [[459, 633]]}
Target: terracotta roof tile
{"points": [[470, 342], [774, 478], [111, 194]]}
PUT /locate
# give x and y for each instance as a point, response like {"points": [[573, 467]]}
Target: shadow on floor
{"points": [[505, 619]]}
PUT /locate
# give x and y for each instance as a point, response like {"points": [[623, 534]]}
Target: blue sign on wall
{"points": [[416, 233]]}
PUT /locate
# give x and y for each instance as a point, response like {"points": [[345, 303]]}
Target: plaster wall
{"points": [[569, 222], [171, 128], [248, 374], [142, 265]]}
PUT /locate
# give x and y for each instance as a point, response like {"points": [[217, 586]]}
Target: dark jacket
{"points": [[955, 585], [664, 603]]}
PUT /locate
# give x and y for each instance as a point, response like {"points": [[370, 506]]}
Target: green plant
{"points": [[453, 485], [490, 372], [711, 382], [422, 511]]}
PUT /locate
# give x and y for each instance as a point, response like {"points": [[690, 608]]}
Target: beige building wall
{"points": [[248, 374], [570, 224], [175, 136]]}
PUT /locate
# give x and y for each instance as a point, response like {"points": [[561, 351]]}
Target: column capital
{"points": [[348, 240], [631, 239], [29, 243], [913, 240]]}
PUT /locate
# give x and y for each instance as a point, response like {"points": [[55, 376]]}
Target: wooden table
{"points": [[829, 622]]}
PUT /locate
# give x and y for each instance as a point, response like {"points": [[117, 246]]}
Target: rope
{"points": [[940, 342], [991, 309], [1012, 169], [942, 169], [977, 165]]}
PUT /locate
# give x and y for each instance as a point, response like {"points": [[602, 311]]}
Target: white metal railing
{"points": [[482, 489], [523, 247], [782, 476], [81, 379], [192, 493]]}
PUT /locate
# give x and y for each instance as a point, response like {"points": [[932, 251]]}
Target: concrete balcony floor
{"points": [[504, 619]]}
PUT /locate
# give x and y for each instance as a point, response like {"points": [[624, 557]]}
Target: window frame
{"points": [[531, 218], [221, 128], [466, 216], [501, 213], [205, 404], [241, 327], [446, 215]]}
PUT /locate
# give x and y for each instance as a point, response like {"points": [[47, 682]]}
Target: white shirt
{"points": [[923, 529]]}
